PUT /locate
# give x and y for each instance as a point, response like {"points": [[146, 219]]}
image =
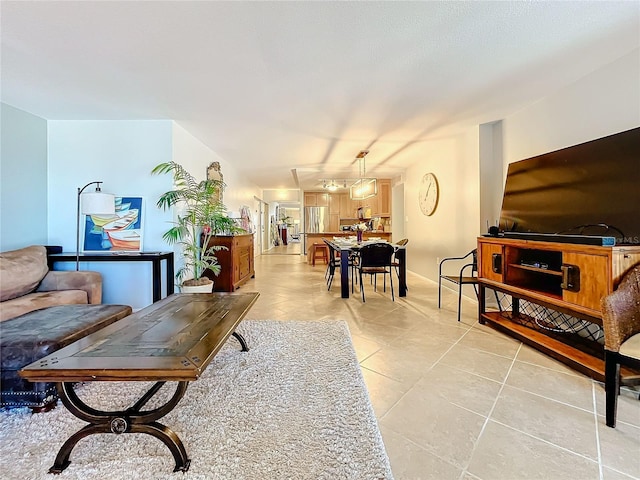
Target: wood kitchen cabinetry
{"points": [[237, 262], [316, 199], [383, 204], [341, 206], [569, 279]]}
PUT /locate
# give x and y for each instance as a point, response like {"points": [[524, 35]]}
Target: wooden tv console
{"points": [[563, 277]]}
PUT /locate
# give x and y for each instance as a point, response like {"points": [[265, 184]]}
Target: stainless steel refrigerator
{"points": [[316, 219]]}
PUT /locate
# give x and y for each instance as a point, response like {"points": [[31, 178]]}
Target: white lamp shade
{"points": [[98, 203]]}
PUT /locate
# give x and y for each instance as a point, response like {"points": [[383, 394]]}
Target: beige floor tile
{"points": [[486, 342], [384, 392], [432, 380], [385, 334], [506, 454], [609, 474], [628, 410], [410, 462], [554, 422], [488, 365], [435, 424], [528, 354], [405, 363], [364, 347], [468, 476], [620, 448], [461, 388], [566, 388]]}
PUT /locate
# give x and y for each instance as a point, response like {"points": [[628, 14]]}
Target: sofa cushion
{"points": [[38, 300], [21, 271]]}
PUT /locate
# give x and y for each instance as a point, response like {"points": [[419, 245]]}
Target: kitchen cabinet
{"points": [[334, 204], [334, 222], [322, 200], [310, 199], [383, 205], [316, 199], [341, 206], [345, 206]]}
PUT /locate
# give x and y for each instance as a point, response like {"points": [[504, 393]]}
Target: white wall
{"points": [[121, 154], [453, 228], [195, 156], [491, 180], [604, 102], [23, 179], [281, 195], [600, 104]]}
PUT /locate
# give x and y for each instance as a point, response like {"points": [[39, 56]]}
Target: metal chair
{"points": [[621, 324], [460, 279], [374, 259]]}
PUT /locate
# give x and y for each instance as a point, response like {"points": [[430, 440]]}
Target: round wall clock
{"points": [[428, 194]]}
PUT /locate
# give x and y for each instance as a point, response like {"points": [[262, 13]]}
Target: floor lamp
{"points": [[93, 203]]}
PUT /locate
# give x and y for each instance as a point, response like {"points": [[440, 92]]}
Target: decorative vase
{"points": [[359, 235]]}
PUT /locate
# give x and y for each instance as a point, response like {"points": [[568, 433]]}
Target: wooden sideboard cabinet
{"points": [[561, 277], [237, 262]]}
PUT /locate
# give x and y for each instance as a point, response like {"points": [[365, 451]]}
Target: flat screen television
{"points": [[590, 189]]}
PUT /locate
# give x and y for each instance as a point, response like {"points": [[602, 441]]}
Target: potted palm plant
{"points": [[201, 216]]}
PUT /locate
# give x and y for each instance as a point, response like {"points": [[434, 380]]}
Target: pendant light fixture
{"points": [[364, 187]]}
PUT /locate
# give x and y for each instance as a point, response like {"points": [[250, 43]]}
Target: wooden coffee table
{"points": [[171, 340]]}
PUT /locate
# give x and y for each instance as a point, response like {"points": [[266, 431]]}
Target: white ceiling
{"points": [[279, 86]]}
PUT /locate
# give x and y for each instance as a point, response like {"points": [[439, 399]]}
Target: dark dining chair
{"points": [[375, 259], [395, 263], [334, 264], [621, 325]]}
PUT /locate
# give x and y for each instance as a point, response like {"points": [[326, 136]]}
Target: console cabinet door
{"points": [[595, 282], [491, 261]]}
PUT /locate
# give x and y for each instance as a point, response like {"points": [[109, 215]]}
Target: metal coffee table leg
{"points": [[243, 342], [131, 420]]}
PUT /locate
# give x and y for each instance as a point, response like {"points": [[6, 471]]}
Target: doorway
{"points": [[262, 231], [285, 236]]}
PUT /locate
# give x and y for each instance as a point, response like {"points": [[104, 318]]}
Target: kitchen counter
{"points": [[317, 237]]}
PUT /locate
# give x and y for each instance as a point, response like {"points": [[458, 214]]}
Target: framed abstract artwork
{"points": [[121, 232]]}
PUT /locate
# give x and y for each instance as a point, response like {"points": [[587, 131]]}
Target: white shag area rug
{"points": [[294, 407]]}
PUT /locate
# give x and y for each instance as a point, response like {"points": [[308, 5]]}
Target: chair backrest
{"points": [[621, 311], [376, 255], [402, 242], [474, 265]]}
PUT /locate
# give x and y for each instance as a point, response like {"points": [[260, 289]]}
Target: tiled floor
{"points": [[291, 248], [460, 400]]}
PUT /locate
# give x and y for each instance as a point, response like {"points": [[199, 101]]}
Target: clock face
{"points": [[428, 194]]}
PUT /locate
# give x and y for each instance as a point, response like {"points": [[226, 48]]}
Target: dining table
{"points": [[345, 246]]}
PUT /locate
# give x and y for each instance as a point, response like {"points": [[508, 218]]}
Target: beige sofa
{"points": [[26, 284]]}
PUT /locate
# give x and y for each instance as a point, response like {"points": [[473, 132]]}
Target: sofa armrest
{"points": [[90, 282]]}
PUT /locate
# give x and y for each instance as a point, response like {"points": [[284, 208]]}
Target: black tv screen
{"points": [[588, 189]]}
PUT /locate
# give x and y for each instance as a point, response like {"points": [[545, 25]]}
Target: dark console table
{"points": [[154, 257]]}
